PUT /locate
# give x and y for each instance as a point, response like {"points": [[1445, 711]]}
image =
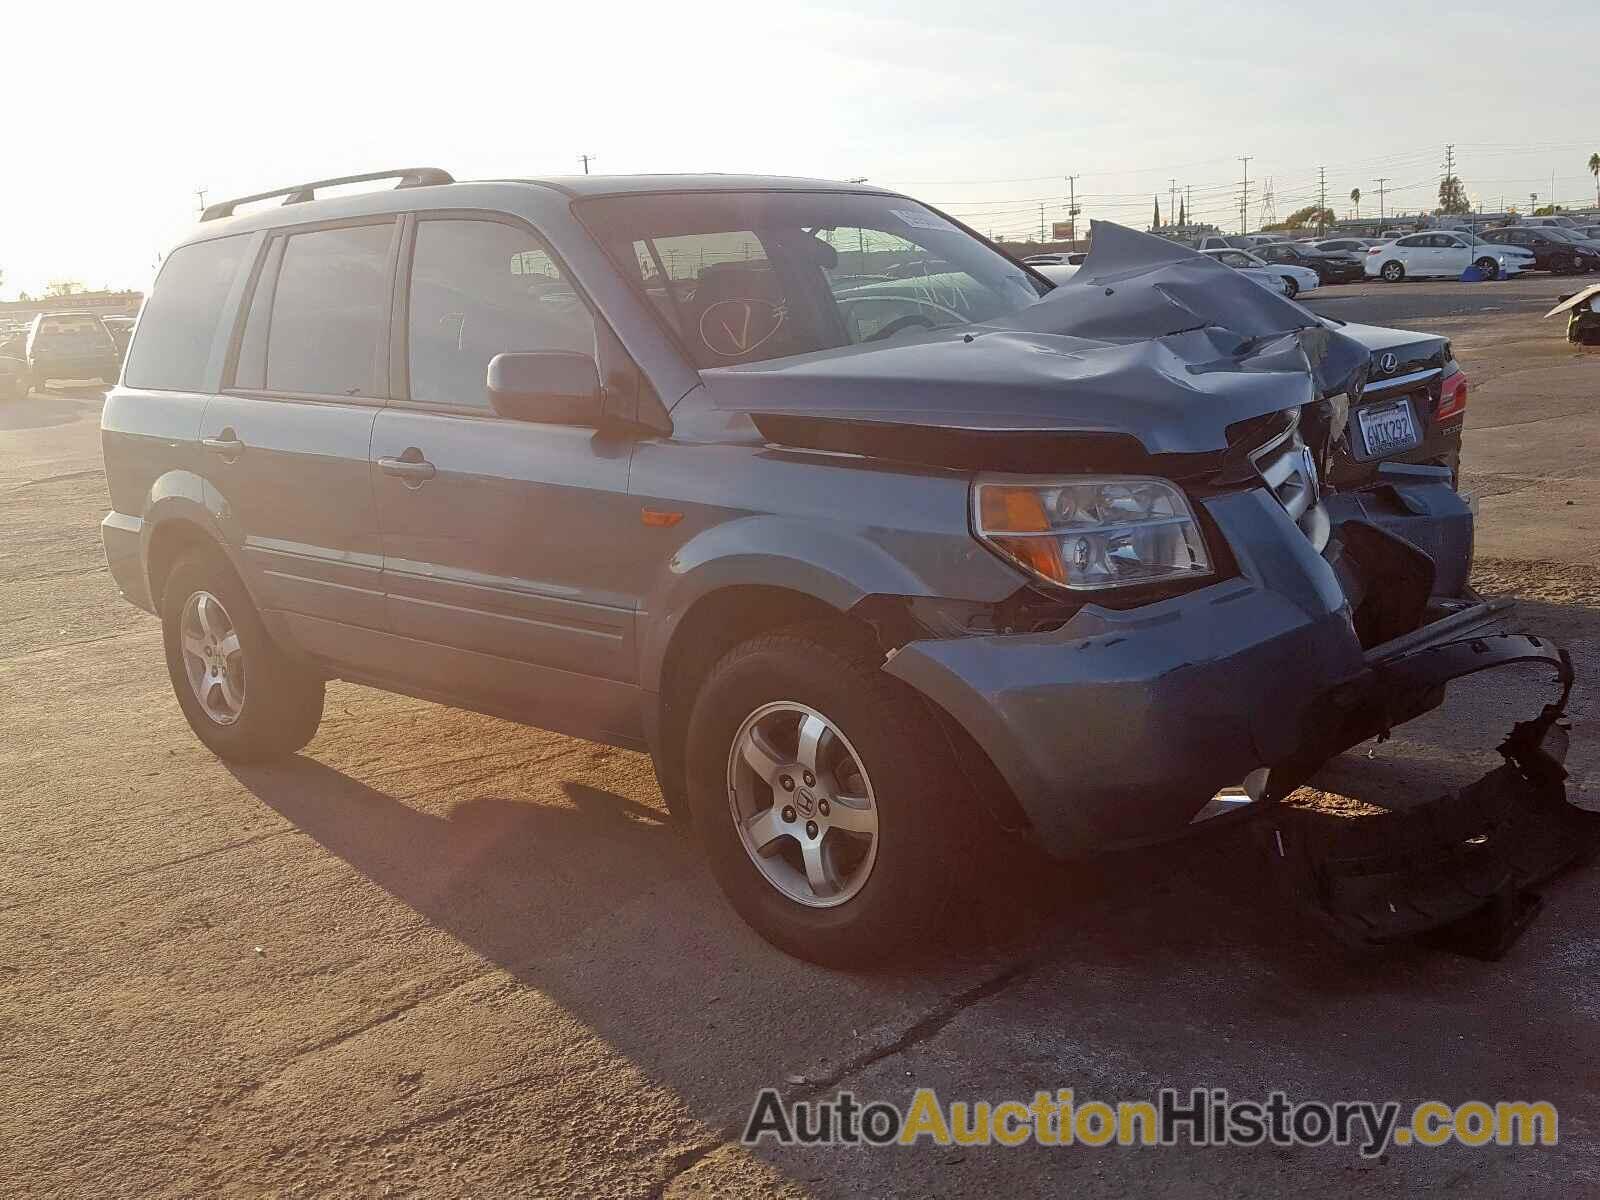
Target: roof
{"points": [[629, 185], [422, 187]]}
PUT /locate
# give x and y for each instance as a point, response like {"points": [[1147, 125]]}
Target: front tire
{"points": [[1488, 268], [826, 797], [1393, 272], [1291, 286], [243, 697]]}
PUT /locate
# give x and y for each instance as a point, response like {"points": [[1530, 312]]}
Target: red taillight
{"points": [[1452, 397]]}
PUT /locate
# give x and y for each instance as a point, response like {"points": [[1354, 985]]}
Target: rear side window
{"points": [[179, 321], [481, 288], [330, 311]]}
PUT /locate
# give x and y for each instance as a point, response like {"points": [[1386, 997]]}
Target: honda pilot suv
{"points": [[871, 537]]}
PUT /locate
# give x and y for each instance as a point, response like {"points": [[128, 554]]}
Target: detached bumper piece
{"points": [[1457, 872]]}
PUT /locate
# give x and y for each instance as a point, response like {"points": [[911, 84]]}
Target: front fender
{"points": [[829, 563]]}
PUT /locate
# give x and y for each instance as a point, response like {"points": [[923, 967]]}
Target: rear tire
{"points": [[1393, 272], [874, 899], [258, 703], [1488, 268]]}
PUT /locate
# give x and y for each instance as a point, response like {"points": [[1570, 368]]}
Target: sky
{"points": [[121, 111]]}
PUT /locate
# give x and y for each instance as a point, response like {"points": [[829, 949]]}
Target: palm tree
{"points": [[1594, 169], [1355, 198]]}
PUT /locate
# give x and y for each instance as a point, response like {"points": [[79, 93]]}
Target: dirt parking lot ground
{"points": [[440, 955]]}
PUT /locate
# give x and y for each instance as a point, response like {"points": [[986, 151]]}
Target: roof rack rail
{"points": [[409, 177]]}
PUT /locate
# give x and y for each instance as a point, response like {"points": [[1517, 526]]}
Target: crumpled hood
{"points": [[1149, 341]]}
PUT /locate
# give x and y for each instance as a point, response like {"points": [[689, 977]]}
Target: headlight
{"points": [[1092, 533]]}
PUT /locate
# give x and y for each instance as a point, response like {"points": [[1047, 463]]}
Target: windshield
{"points": [[750, 276]]}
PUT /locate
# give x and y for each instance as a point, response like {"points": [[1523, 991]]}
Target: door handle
{"points": [[414, 471], [226, 443]]}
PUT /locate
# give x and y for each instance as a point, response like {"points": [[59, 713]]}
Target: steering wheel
{"points": [[919, 301], [899, 323]]}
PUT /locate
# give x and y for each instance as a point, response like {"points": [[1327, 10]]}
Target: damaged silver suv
{"points": [[869, 535]]}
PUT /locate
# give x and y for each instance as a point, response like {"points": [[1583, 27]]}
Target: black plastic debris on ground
{"points": [[1457, 873]]}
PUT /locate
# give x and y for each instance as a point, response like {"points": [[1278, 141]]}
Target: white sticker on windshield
{"points": [[922, 220]]}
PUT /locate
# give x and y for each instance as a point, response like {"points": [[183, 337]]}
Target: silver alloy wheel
{"points": [[802, 803], [1489, 268], [211, 657]]}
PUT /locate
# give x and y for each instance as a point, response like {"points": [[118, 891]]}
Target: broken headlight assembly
{"points": [[1091, 533]]}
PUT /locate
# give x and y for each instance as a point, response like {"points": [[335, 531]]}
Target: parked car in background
{"points": [[1554, 222], [1291, 280], [13, 369], [1055, 272], [1250, 267], [1229, 241], [121, 329], [71, 345], [1349, 245], [1331, 266], [1439, 254], [1553, 248]]}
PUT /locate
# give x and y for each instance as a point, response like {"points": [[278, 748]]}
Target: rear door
{"points": [[286, 445], [1416, 253], [509, 548]]}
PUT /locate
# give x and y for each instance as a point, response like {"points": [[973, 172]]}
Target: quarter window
{"points": [[329, 312], [481, 288], [179, 321]]}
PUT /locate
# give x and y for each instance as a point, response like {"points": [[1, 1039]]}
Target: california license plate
{"points": [[1387, 428]]}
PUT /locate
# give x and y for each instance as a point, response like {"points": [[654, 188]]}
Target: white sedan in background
{"points": [[1278, 277], [1442, 253]]}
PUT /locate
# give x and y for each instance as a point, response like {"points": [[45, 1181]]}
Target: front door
{"points": [[286, 445], [507, 545]]}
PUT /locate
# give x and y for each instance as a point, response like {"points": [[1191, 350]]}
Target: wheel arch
{"points": [[710, 626]]}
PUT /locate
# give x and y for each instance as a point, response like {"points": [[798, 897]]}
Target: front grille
{"points": [[1290, 473]]}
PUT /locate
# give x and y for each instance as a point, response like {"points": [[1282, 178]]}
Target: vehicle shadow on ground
{"points": [[60, 405]]}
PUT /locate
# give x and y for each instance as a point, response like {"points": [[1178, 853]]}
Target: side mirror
{"points": [[550, 387]]}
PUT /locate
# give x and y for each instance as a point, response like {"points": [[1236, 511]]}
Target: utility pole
{"points": [[200, 195], [585, 159], [1382, 179], [1041, 222], [1244, 194], [1188, 202], [1449, 173], [1322, 197], [1072, 204], [1172, 201]]}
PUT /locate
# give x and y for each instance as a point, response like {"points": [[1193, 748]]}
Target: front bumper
{"points": [[1119, 726]]}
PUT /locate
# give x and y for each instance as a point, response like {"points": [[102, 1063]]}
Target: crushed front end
{"points": [[1334, 617]]}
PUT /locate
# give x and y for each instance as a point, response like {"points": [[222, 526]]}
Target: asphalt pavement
{"points": [[440, 955]]}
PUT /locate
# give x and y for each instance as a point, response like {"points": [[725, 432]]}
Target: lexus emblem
{"points": [[1388, 363]]}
